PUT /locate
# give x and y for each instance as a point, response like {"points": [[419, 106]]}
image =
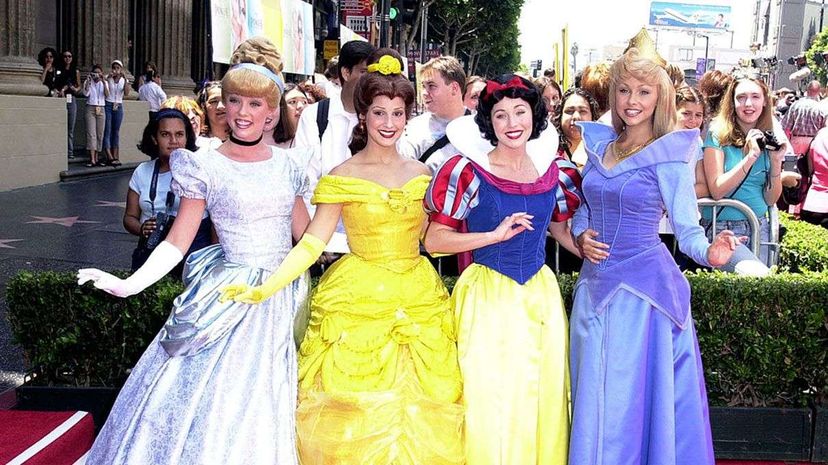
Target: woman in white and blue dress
{"points": [[218, 383]]}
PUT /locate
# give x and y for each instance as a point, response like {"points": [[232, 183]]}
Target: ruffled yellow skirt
{"points": [[513, 349], [379, 382]]}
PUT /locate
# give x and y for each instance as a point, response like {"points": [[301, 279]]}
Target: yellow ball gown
{"points": [[379, 381]]}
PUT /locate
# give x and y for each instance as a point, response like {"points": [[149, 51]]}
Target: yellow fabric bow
{"points": [[386, 65]]}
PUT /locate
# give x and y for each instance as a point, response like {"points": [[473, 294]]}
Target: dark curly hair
{"points": [[41, 56], [371, 86], [556, 119], [148, 144], [528, 93]]}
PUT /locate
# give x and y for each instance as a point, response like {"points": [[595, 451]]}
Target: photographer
{"points": [[150, 90], [151, 206], [118, 87], [96, 91], [743, 161]]}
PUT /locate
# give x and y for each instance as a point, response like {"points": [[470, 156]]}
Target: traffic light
{"points": [[407, 11]]}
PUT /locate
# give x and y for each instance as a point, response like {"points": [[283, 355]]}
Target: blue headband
{"points": [[263, 71]]}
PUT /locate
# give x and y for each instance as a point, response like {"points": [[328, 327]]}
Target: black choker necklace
{"points": [[245, 143]]}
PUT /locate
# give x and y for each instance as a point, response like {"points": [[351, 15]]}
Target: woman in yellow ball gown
{"points": [[379, 381]]}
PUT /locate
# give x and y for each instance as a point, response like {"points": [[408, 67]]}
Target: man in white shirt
{"points": [[330, 148], [151, 92], [444, 82]]}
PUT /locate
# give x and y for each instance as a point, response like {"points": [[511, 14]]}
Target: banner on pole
{"points": [[286, 23], [690, 16]]}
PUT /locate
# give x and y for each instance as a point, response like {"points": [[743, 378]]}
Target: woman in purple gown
{"points": [[638, 390]]}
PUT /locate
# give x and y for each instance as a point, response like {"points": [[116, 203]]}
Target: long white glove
{"points": [[158, 264]]}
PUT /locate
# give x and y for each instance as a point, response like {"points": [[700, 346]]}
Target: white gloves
{"points": [[160, 262]]}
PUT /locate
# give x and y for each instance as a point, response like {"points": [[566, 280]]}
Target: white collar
{"points": [[464, 135]]}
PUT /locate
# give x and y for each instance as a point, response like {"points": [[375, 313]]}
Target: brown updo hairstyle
{"points": [[249, 83], [371, 86], [713, 85]]}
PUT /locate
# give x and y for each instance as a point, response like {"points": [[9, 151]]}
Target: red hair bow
{"points": [[493, 86]]}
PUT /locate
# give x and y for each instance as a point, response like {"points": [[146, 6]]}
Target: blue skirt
{"points": [[638, 389]]}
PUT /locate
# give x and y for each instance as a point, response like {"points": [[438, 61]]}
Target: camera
{"points": [[768, 141], [162, 221]]}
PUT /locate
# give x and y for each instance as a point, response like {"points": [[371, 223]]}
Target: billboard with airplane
{"points": [[689, 16]]}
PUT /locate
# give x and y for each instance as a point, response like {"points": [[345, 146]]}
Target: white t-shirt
{"points": [[153, 94], [140, 183], [94, 94], [116, 90]]}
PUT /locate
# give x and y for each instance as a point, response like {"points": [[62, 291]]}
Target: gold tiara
{"points": [[646, 48]]}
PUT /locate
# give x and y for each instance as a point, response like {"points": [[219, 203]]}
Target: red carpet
{"points": [[754, 462], [44, 438]]}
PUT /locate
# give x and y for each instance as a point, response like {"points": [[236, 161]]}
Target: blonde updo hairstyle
{"points": [[249, 83], [634, 64]]}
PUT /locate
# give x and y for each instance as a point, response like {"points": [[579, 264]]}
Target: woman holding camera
{"points": [[149, 194], [96, 92], [743, 161], [118, 89]]}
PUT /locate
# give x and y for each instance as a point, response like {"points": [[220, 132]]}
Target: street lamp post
{"points": [[574, 51], [706, 48]]}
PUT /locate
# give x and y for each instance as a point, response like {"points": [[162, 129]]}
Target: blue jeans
{"points": [[112, 127], [741, 228], [71, 114]]}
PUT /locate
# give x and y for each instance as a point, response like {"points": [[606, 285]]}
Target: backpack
{"points": [[322, 116]]}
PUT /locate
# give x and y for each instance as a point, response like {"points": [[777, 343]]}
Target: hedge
{"points": [[764, 341], [81, 336], [804, 246]]}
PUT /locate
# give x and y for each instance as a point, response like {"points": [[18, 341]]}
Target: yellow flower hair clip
{"points": [[386, 65]]}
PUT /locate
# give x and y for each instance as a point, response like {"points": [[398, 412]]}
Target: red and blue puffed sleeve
{"points": [[568, 196], [452, 192]]}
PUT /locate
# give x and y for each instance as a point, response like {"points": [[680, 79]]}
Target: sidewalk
{"points": [[61, 226]]}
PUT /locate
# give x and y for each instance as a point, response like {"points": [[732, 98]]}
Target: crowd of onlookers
{"points": [[747, 133]]}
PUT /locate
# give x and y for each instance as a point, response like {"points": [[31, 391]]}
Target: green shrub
{"points": [[804, 247], [764, 341], [81, 336]]}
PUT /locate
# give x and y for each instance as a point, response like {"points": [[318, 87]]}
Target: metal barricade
{"points": [[753, 220]]}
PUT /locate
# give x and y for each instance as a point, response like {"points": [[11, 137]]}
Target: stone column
{"points": [[19, 70], [100, 33], [167, 41]]}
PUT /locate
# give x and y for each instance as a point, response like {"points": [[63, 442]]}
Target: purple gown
{"points": [[638, 391]]}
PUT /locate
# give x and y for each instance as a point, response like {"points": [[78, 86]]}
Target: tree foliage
{"points": [[818, 65], [481, 33]]}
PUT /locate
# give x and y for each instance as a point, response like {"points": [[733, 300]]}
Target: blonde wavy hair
{"points": [[259, 51], [184, 105], [725, 125], [633, 64]]}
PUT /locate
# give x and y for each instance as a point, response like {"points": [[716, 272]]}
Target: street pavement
{"points": [[60, 226]]}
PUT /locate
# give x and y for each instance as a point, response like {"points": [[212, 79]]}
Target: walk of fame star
{"points": [[4, 243], [107, 203], [68, 221]]}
